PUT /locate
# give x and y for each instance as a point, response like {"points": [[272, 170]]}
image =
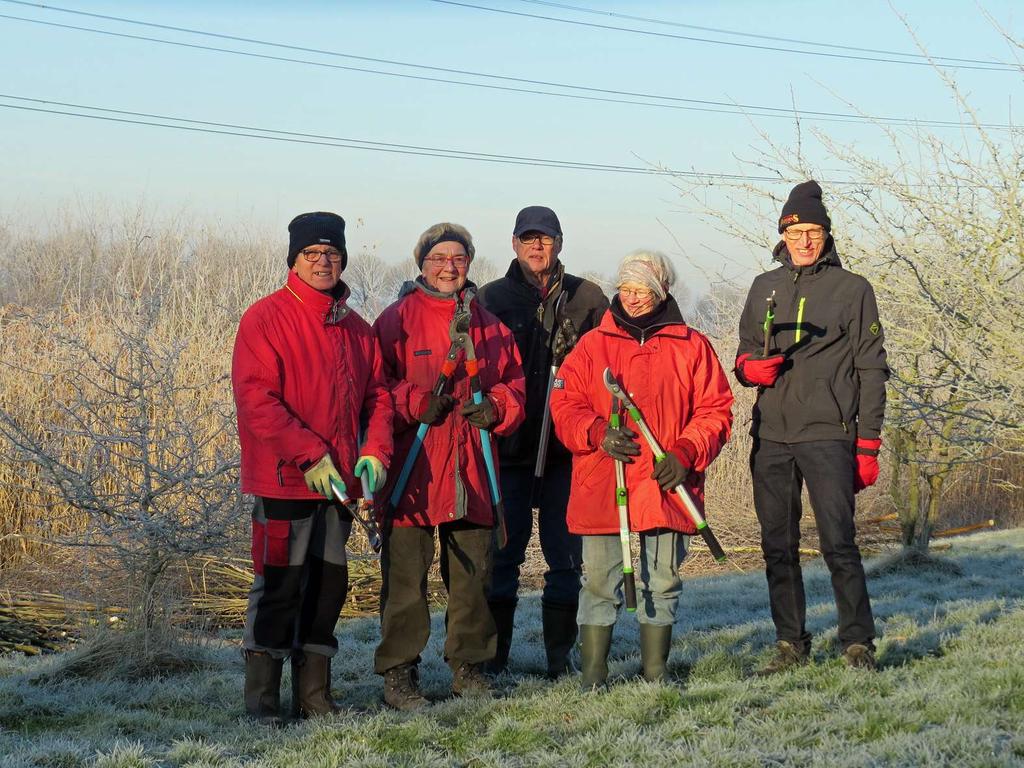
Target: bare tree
{"points": [[133, 433], [936, 226]]}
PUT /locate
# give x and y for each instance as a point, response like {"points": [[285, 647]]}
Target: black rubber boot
{"points": [[655, 642], [559, 621], [595, 642], [503, 612], [311, 685], [263, 687]]}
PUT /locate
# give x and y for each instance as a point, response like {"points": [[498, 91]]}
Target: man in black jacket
{"points": [[548, 310], [818, 417]]}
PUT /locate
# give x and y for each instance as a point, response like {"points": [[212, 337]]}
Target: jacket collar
{"points": [[331, 308], [419, 285], [516, 275], [828, 258], [672, 322]]}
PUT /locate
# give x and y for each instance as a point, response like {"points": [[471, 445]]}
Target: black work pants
{"points": [[301, 576], [405, 614], [779, 471], [563, 551]]}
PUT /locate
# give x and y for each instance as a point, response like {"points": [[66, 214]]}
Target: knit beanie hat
{"points": [[804, 206], [651, 269], [318, 228]]}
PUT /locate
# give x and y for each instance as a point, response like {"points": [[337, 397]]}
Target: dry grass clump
{"points": [[116, 653]]}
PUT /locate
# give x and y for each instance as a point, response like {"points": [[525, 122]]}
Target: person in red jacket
{"points": [[447, 492], [306, 370], [673, 375]]}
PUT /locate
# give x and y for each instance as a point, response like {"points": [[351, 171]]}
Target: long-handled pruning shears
{"points": [[622, 502], [458, 327], [612, 385], [769, 321], [473, 369], [545, 428], [368, 523]]}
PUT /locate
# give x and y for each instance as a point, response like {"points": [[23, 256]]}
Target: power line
{"points": [[730, 43], [681, 103], [244, 131], [718, 30]]}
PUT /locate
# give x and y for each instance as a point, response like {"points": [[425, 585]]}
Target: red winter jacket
{"points": [[305, 369], [679, 386], [449, 479]]}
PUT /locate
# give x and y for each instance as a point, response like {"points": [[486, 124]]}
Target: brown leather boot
{"points": [[402, 688], [469, 680], [787, 656], [311, 685], [263, 687]]}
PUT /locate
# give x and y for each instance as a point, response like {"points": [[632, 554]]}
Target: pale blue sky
{"points": [[48, 161]]}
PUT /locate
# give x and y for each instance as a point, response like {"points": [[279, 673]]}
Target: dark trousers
{"points": [[563, 551], [779, 471], [301, 581], [405, 614]]}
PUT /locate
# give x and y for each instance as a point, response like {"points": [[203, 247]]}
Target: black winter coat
{"points": [[832, 385], [518, 305]]}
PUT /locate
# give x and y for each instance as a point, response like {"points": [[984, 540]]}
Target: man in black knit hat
{"points": [[307, 375], [821, 377]]}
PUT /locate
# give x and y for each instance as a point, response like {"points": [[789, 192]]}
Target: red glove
{"points": [[760, 371], [867, 463]]}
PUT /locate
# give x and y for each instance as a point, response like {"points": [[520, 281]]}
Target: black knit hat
{"points": [[804, 206], [318, 228]]}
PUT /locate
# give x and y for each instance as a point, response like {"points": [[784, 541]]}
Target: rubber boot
{"points": [[655, 642], [595, 642], [559, 622], [311, 685], [503, 613], [263, 687]]}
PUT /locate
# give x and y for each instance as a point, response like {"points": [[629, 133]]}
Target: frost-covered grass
{"points": [[950, 691]]}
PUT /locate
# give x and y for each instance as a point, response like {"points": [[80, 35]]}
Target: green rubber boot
{"points": [[655, 642], [595, 642]]}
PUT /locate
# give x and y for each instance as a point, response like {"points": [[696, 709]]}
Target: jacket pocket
{"points": [[838, 408], [276, 552]]}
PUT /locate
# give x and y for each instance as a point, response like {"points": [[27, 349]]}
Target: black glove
{"points": [[481, 415], [435, 408], [565, 339], [670, 472], [620, 444]]}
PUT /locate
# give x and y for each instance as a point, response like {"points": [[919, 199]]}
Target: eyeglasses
{"points": [[314, 256], [636, 293], [796, 235], [529, 238], [439, 261]]}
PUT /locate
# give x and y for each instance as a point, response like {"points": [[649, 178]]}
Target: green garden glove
{"points": [[376, 474], [319, 477]]}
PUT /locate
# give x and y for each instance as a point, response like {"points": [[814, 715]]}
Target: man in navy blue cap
{"points": [[527, 299]]}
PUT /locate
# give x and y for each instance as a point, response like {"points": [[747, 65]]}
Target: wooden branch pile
{"points": [[32, 622], [218, 588]]}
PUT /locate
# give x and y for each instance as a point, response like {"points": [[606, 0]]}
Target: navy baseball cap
{"points": [[537, 218]]}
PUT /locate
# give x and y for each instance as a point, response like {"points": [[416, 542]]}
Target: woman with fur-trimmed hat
{"points": [[446, 497], [672, 373]]}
